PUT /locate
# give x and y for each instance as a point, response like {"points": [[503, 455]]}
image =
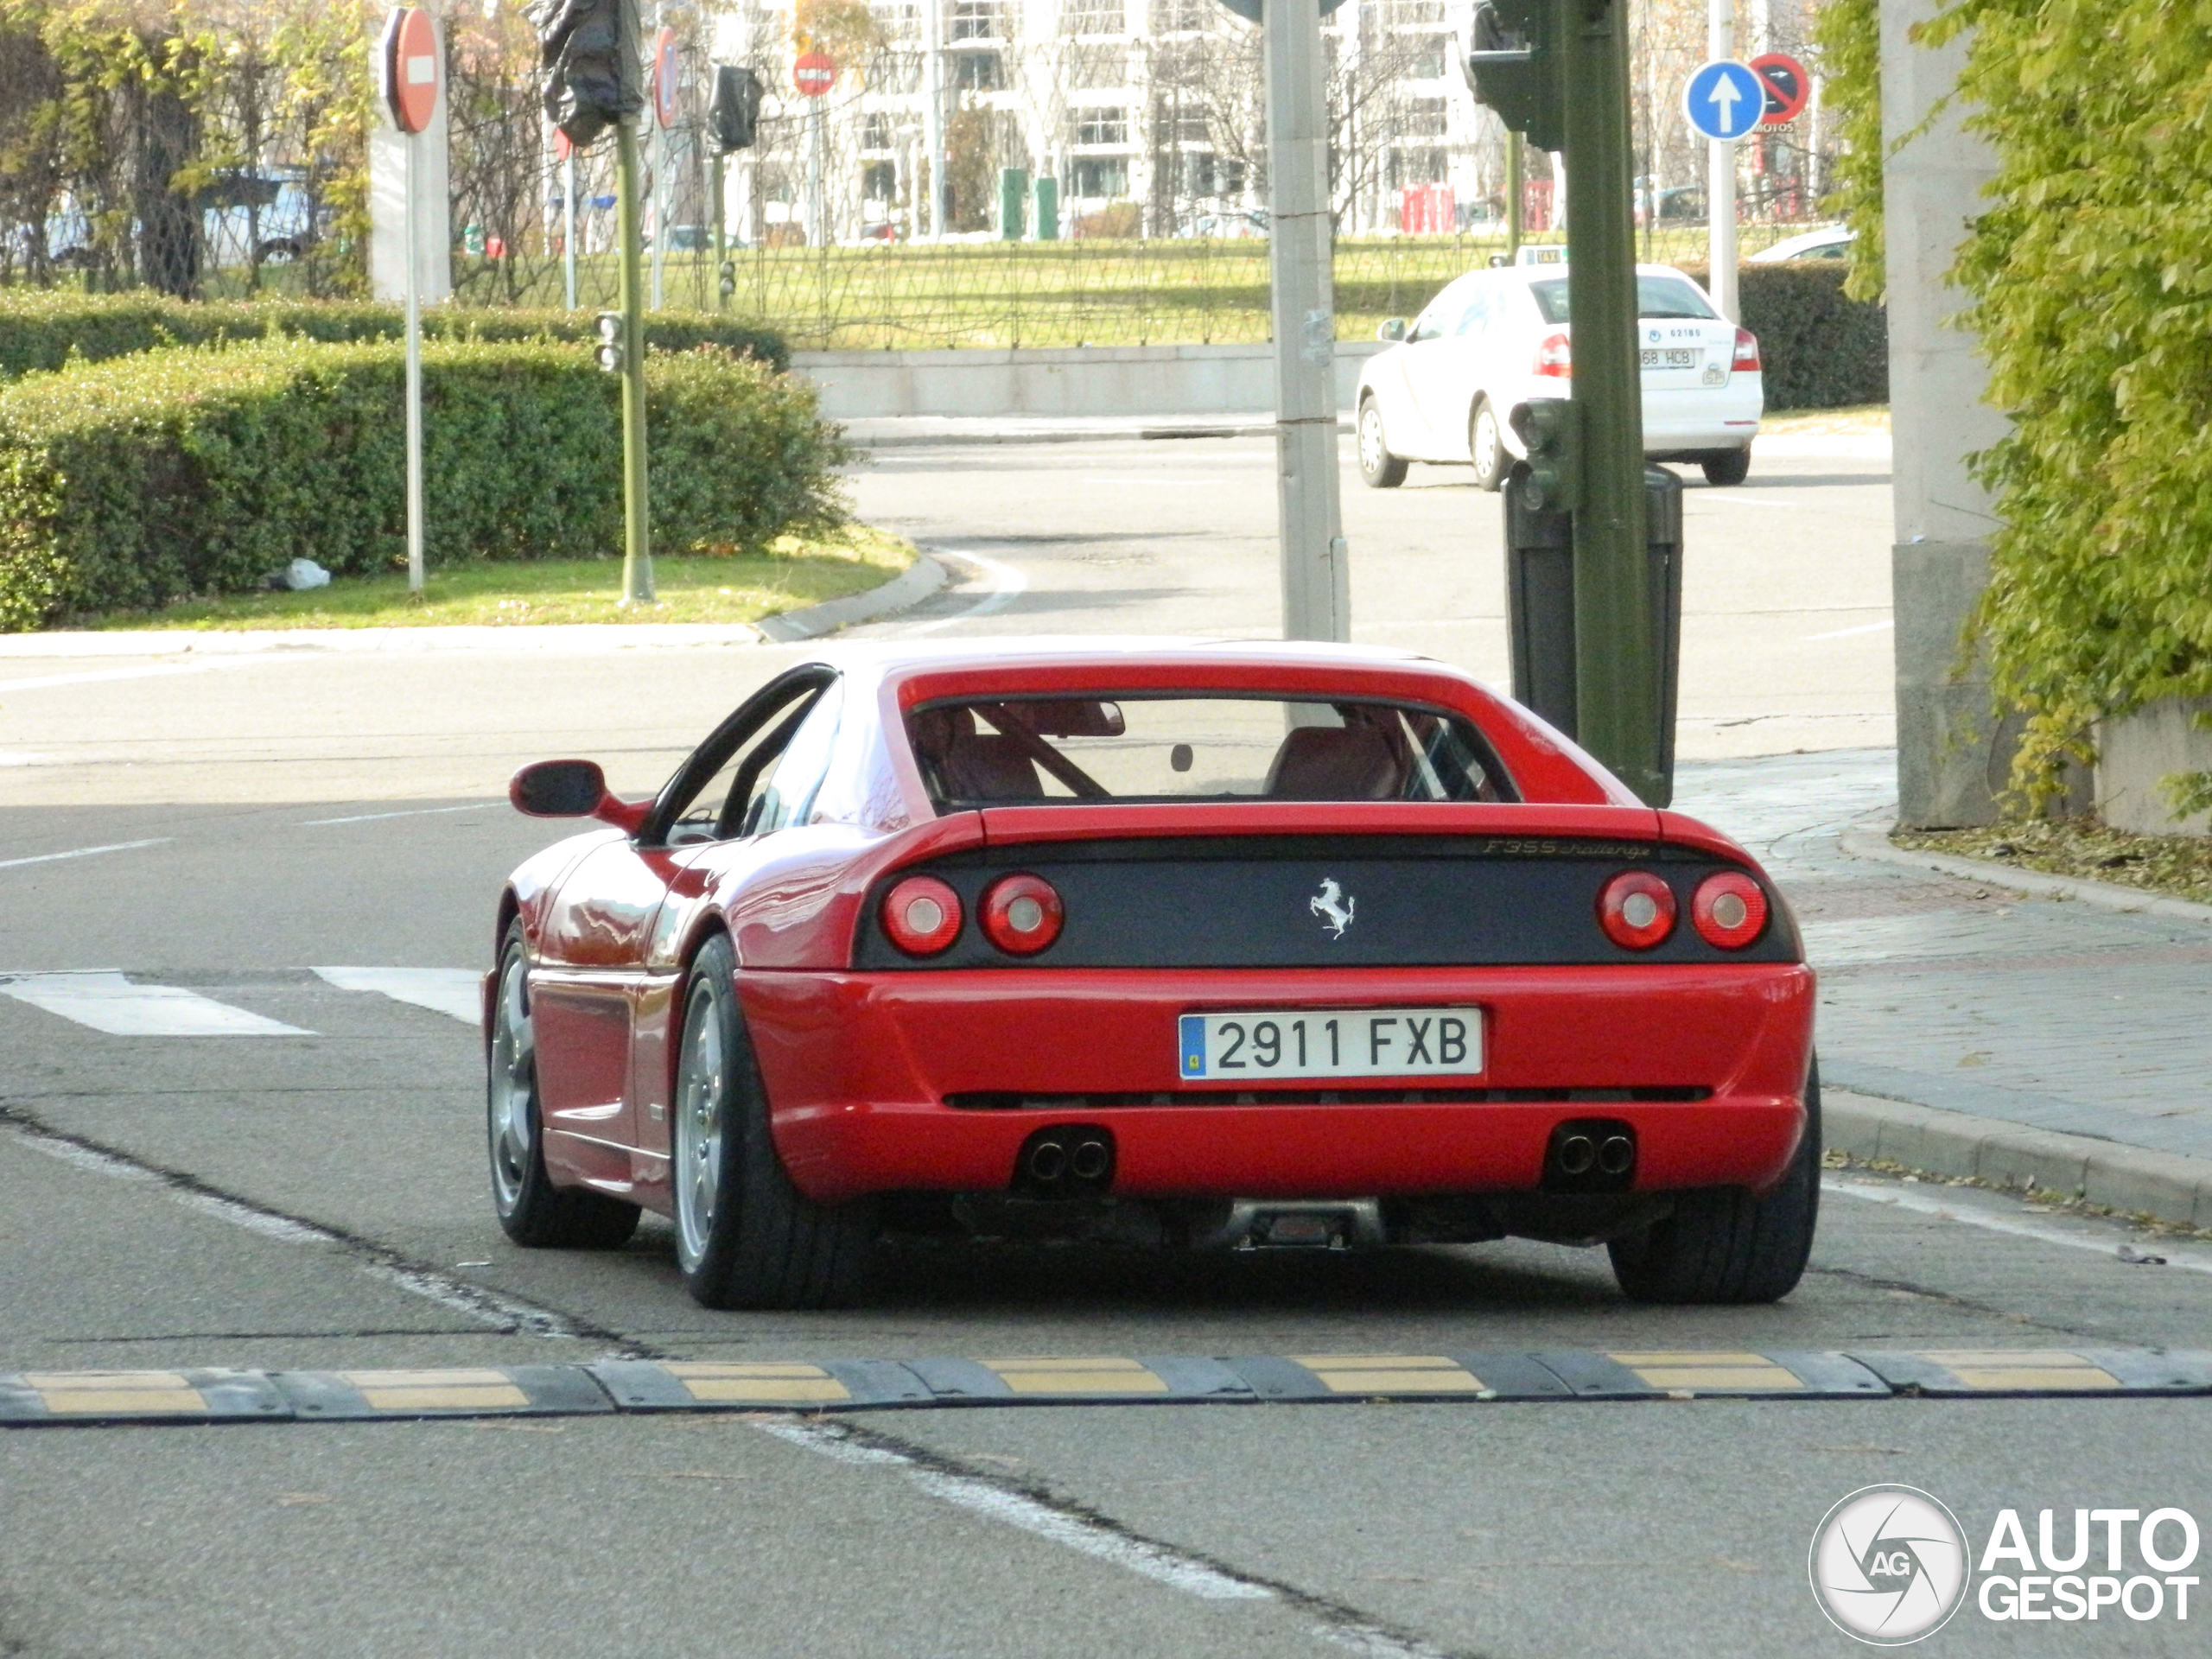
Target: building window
{"points": [[1401, 12], [1091, 67], [1181, 16], [876, 131], [1409, 167], [1102, 176], [975, 19], [1424, 58], [1101, 127], [880, 181], [978, 71], [1095, 17], [1191, 128], [1424, 118]]}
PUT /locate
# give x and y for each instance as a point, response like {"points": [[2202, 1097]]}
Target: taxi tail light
{"points": [[1747, 352], [1729, 909], [1637, 910], [1022, 914], [922, 915], [1555, 358]]}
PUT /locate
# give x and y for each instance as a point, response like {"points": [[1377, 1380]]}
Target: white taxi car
{"points": [[1446, 389]]}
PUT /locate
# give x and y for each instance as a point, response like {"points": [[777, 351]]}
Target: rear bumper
{"points": [[858, 1068]]}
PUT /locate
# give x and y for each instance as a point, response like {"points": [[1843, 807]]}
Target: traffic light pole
{"points": [[636, 534], [1316, 584], [1616, 685]]}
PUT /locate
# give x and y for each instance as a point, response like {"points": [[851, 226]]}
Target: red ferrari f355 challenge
{"points": [[1240, 945]]}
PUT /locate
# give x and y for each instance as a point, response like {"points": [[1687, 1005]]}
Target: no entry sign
{"points": [[813, 74], [410, 68], [1786, 85], [665, 76]]}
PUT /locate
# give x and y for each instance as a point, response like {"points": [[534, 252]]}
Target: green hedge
{"points": [[1822, 348], [41, 329], [130, 483]]}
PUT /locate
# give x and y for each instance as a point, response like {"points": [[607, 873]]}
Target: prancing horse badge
{"points": [[1333, 906]]}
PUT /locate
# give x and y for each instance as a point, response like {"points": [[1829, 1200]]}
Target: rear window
{"points": [[1656, 296], [1052, 751]]}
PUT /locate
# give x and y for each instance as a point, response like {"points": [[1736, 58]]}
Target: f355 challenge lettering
{"points": [[1891, 1564]]}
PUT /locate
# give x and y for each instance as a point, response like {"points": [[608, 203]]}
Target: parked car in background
{"points": [[1832, 243], [1446, 389]]}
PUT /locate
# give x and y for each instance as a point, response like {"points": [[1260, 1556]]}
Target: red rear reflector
{"points": [[1637, 910], [1747, 351], [1022, 914], [1554, 357], [1729, 910], [922, 915]]}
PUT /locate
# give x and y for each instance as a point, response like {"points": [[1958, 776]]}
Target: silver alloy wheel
{"points": [[1372, 453], [1487, 442], [699, 1094], [514, 1087]]}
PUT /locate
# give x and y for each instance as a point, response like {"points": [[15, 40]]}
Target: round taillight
{"points": [[1729, 910], [1637, 910], [922, 915], [1022, 914]]}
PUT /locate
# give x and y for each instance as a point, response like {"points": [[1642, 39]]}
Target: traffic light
{"points": [[593, 75], [735, 107], [610, 341], [1515, 62], [1551, 427]]}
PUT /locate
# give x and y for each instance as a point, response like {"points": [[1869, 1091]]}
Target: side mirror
{"points": [[1393, 329], [570, 789]]}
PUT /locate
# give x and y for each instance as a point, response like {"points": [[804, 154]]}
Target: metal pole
{"points": [[636, 533], [714, 189], [1616, 687], [1721, 175], [1316, 584], [660, 197], [933, 111], [413, 382], [818, 229], [569, 227], [1515, 189]]}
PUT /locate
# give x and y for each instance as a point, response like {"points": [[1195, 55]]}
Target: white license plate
{"points": [[1670, 358], [1331, 1043]]}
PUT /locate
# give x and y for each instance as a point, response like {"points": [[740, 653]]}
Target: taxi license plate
{"points": [[1275, 1043], [1670, 358]]}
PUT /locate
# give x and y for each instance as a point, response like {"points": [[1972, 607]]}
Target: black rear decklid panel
{"points": [[1250, 901]]}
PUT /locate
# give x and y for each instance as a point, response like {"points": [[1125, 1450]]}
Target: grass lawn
{"points": [[580, 590], [2177, 865]]}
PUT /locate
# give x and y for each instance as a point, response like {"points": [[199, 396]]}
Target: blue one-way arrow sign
{"points": [[1723, 99]]}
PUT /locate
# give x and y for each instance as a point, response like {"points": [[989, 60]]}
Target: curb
{"points": [[1231, 427], [916, 583], [1860, 840], [2170, 1186]]}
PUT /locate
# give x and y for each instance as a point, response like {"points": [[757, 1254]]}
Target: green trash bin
{"points": [[1014, 201]]}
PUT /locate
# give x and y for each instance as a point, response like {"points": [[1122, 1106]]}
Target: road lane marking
{"points": [[103, 999], [411, 813], [2178, 1255], [458, 992], [1139, 1556], [84, 852], [1008, 585]]}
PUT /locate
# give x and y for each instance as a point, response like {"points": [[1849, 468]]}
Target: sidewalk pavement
{"points": [[1968, 1029]]}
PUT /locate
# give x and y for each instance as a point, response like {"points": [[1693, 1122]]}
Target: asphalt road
{"points": [[314, 1197]]}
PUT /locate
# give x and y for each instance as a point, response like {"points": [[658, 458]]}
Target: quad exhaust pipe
{"points": [[1068, 1160]]}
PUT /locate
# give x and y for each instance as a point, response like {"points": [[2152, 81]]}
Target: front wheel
{"points": [[532, 1211], [1726, 1244], [1728, 466], [1378, 468], [744, 1236], [1486, 447]]}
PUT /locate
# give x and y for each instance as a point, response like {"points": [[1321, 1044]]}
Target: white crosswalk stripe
{"points": [[455, 991], [107, 1001]]}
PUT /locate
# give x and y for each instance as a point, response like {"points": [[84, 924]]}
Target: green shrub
{"points": [[133, 482], [43, 329], [1820, 348]]}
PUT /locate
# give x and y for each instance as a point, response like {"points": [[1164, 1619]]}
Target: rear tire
{"points": [[1378, 468], [532, 1212], [1728, 466], [744, 1236], [1486, 447], [1726, 1244]]}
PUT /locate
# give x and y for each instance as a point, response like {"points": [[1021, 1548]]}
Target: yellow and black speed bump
{"points": [[483, 1391], [626, 1386]]}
